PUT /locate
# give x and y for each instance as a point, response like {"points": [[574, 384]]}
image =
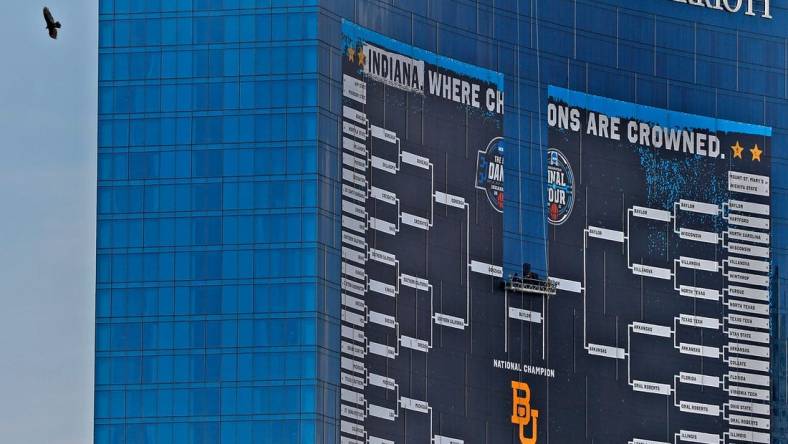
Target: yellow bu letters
{"points": [[522, 413]]}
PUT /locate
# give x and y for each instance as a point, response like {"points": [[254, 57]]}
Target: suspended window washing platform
{"points": [[530, 283]]}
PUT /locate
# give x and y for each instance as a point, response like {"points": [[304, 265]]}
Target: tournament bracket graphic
{"points": [[659, 332], [422, 226]]}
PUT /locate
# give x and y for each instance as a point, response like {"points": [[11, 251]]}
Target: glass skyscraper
{"points": [[218, 293], [212, 306]]}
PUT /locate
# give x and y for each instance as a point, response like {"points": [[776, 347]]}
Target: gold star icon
{"points": [[737, 150], [362, 58], [351, 54], [756, 153]]}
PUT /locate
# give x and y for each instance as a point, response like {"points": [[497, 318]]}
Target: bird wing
{"points": [[48, 16], [53, 32]]}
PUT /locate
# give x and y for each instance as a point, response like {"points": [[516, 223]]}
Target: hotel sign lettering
{"points": [[760, 8]]}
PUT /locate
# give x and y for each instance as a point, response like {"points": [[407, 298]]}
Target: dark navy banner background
{"points": [[423, 314], [661, 322]]}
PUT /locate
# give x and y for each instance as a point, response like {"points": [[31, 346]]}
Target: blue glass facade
{"points": [[211, 304], [218, 245]]}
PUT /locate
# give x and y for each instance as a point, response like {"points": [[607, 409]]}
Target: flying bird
{"points": [[52, 25]]}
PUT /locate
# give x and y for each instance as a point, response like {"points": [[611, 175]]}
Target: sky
{"points": [[47, 221]]}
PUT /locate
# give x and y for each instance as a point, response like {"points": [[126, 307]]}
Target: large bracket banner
{"points": [[659, 240], [422, 226]]}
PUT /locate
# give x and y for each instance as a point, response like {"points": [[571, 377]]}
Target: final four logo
{"points": [[560, 187], [489, 172]]}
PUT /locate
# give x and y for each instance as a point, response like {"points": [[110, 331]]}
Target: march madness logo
{"points": [[560, 187], [489, 172], [522, 413]]}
